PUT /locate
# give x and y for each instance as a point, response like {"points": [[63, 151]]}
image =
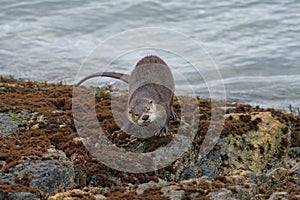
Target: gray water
{"points": [[254, 43]]}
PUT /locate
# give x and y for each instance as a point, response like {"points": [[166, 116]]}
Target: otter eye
{"points": [[129, 112], [151, 101], [136, 115]]}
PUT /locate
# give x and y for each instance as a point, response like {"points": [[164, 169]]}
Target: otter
{"points": [[151, 93]]}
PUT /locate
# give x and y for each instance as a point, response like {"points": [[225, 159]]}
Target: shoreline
{"points": [[290, 107]]}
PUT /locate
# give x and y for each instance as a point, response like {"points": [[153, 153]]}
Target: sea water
{"points": [[255, 44]]}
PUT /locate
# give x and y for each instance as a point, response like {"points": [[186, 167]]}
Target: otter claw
{"points": [[173, 115], [164, 132]]}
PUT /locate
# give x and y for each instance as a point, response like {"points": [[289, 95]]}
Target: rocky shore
{"points": [[257, 155]]}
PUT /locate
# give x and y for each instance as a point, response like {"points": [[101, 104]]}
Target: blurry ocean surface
{"points": [[254, 43]]}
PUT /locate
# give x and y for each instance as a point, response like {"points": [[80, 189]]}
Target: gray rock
{"points": [[259, 151], [142, 187], [241, 192], [48, 176], [295, 172], [256, 150], [278, 196], [19, 196], [221, 194], [80, 176], [294, 152], [10, 121], [173, 192]]}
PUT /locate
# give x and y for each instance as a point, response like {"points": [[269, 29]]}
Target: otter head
{"points": [[142, 111]]}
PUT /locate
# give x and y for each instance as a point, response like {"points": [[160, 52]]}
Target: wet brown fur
{"points": [[147, 85]]}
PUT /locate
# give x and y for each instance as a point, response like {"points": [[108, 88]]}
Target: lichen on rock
{"points": [[259, 149]]}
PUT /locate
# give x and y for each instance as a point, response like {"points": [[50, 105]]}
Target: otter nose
{"points": [[145, 117]]}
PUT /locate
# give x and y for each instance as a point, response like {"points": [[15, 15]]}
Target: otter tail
{"points": [[123, 77]]}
